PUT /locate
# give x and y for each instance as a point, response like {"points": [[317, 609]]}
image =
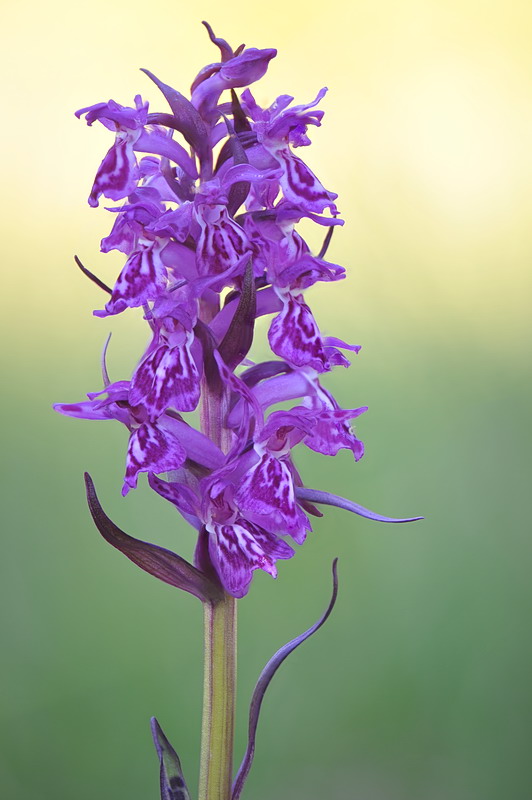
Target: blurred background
{"points": [[419, 686]]}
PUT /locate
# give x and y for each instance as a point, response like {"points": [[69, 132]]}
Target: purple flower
{"points": [[168, 377], [118, 173], [238, 549], [208, 231], [143, 278]]}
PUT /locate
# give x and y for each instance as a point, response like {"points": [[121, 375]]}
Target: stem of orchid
{"points": [[219, 690], [219, 681]]}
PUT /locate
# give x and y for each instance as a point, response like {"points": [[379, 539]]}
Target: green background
{"points": [[419, 686]]}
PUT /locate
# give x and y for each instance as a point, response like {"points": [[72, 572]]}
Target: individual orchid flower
{"points": [[207, 222], [142, 278], [118, 173]]}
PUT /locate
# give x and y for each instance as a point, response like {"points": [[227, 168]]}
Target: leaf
{"points": [[239, 336], [188, 120], [159, 562], [172, 782], [264, 681], [94, 278]]}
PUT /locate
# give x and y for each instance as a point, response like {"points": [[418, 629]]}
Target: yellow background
{"points": [[419, 687]]}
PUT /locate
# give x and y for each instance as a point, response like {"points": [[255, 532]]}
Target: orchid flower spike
{"points": [[208, 194]]}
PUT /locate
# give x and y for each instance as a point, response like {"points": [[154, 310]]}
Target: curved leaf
{"points": [[159, 562], [239, 336], [264, 681], [172, 782]]}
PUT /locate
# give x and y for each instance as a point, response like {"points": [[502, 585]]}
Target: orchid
{"points": [[208, 230]]}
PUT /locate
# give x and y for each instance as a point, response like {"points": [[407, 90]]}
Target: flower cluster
{"points": [[208, 229]]}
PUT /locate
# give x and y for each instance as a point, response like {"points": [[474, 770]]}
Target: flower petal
{"points": [[151, 449], [168, 377], [301, 186], [294, 336], [237, 550], [267, 492], [317, 496], [142, 278], [118, 173]]}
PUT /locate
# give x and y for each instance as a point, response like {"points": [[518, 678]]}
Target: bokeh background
{"points": [[419, 686]]}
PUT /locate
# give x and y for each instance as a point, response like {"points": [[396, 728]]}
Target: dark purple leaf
{"points": [[236, 343], [172, 782], [240, 120], [159, 562], [188, 121], [205, 336], [92, 276], [326, 243], [239, 191], [317, 496], [267, 369], [264, 681], [247, 139]]}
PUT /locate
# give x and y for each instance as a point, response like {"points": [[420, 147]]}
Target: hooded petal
{"points": [[116, 117], [241, 70]]}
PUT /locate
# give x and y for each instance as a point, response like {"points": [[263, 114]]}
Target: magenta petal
{"points": [[238, 549], [167, 378], [144, 377], [151, 449], [198, 447], [142, 278], [181, 496], [117, 174], [317, 496], [333, 432], [177, 383], [154, 142], [87, 409], [294, 336], [267, 491], [301, 186], [222, 242]]}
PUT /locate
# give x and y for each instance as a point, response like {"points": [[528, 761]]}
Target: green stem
{"points": [[216, 766]]}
